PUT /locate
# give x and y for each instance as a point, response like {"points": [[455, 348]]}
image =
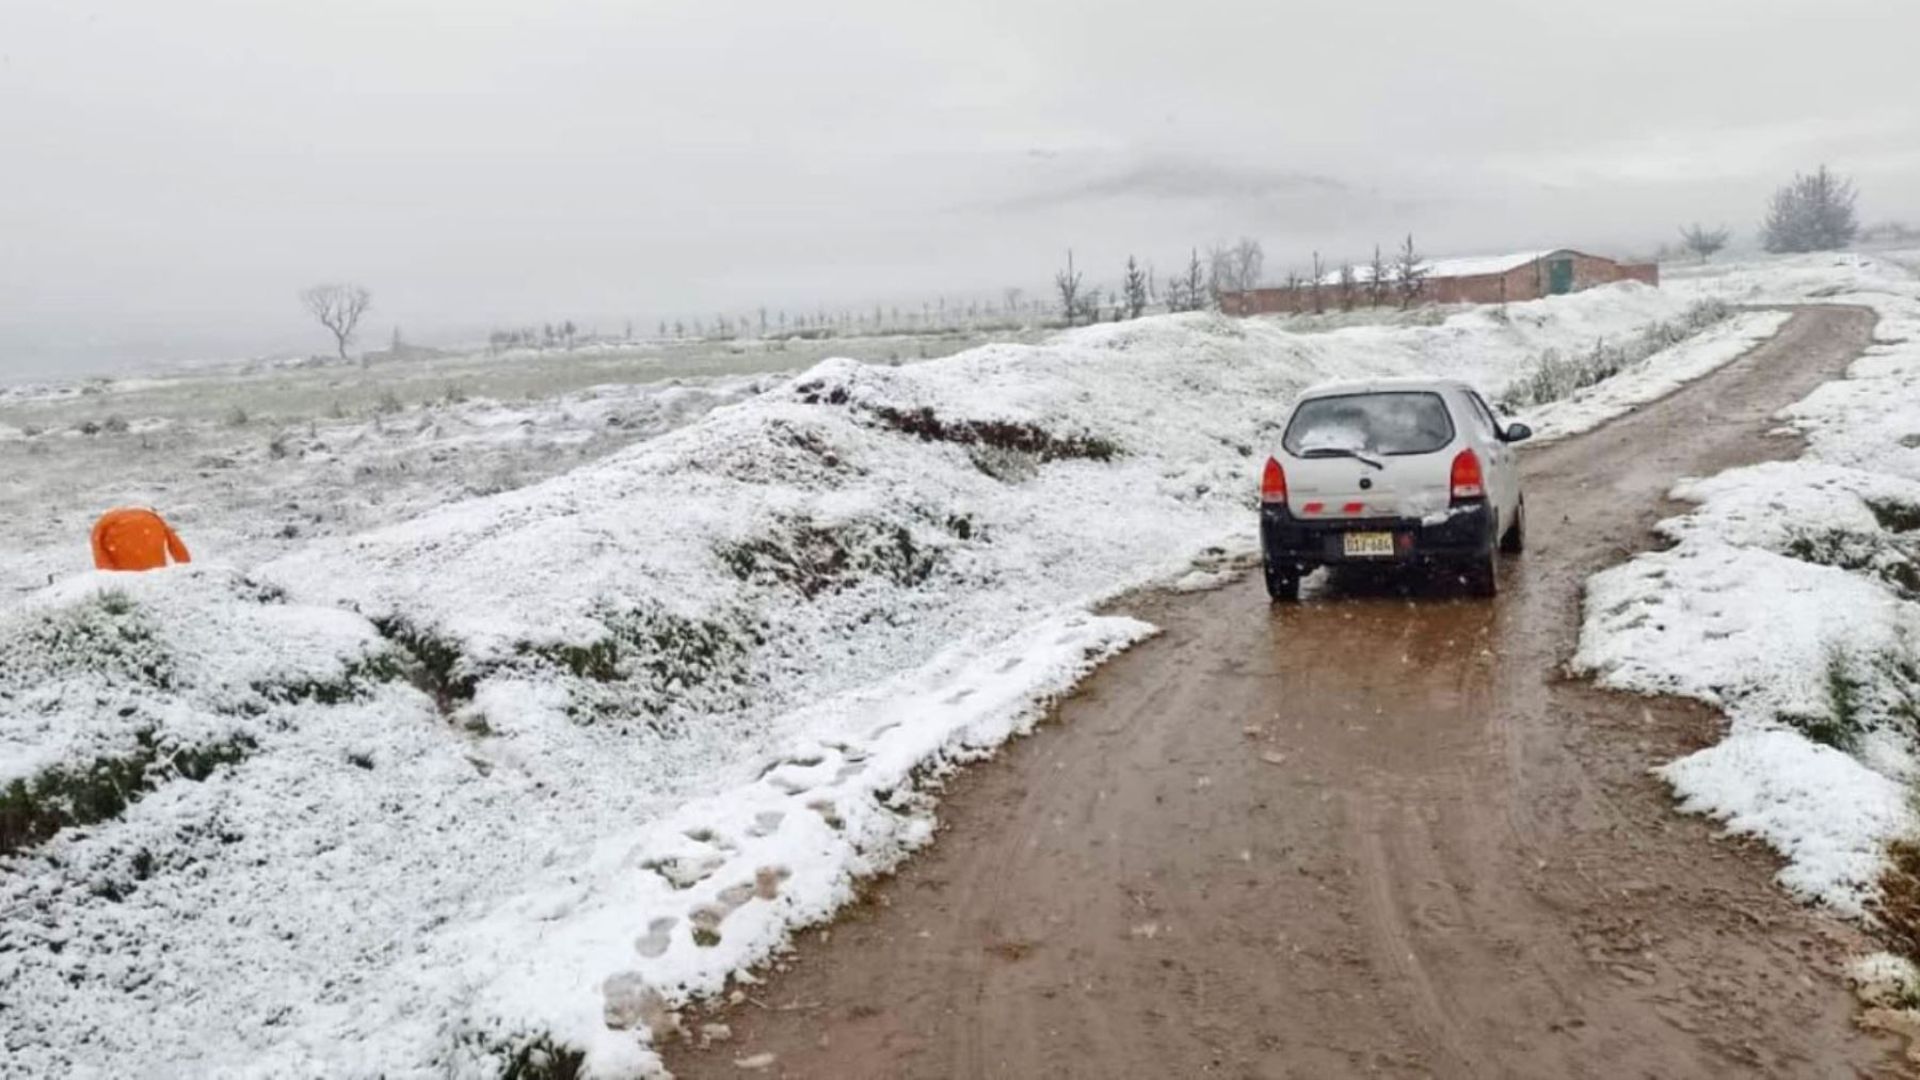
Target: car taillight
{"points": [[1468, 483], [1273, 483]]}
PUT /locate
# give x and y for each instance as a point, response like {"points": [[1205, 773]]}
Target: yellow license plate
{"points": [[1368, 545]]}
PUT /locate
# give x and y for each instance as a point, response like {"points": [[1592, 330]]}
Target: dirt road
{"points": [[1375, 834]]}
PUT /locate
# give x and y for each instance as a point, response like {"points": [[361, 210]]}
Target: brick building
{"points": [[1486, 279]]}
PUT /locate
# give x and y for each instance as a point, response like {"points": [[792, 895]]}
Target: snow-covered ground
{"points": [[1789, 601], [528, 769], [254, 460]]}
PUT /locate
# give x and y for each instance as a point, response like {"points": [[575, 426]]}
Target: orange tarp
{"points": [[134, 539]]}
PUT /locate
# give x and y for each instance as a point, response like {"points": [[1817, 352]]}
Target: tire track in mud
{"points": [[1377, 834]]}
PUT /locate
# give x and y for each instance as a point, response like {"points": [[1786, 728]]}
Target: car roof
{"points": [[1401, 384]]}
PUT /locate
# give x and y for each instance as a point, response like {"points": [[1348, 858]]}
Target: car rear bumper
{"points": [[1465, 532]]}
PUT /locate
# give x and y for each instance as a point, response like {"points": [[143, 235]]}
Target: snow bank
{"points": [[1789, 601], [652, 714]]}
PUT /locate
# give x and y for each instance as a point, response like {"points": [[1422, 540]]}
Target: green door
{"points": [[1560, 276]]}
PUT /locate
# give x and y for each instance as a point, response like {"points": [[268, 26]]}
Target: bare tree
{"points": [[1195, 285], [1409, 273], [1068, 283], [1135, 289], [1346, 286], [1814, 213], [1236, 268], [339, 308], [1377, 279], [1703, 241], [1319, 302], [1012, 294], [1248, 260]]}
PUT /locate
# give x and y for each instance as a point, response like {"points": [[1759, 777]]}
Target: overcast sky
{"points": [[173, 173]]}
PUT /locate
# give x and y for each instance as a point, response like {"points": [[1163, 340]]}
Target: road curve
{"points": [[1377, 834]]}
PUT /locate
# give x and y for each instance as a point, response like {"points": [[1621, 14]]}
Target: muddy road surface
{"points": [[1376, 834]]}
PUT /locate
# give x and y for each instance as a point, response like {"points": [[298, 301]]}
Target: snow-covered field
{"points": [[523, 771], [1791, 600], [255, 460]]}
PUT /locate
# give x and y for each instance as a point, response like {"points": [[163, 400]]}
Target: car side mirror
{"points": [[1517, 433]]}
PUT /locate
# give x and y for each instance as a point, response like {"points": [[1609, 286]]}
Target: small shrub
{"points": [[388, 404], [114, 425], [237, 417]]}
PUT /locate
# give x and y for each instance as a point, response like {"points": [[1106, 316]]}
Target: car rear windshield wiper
{"points": [[1340, 451]]}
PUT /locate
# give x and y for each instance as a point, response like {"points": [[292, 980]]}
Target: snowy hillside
{"points": [[526, 771]]}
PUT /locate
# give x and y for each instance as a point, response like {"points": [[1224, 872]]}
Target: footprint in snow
{"points": [[658, 936], [709, 836], [685, 871], [802, 761], [768, 879], [765, 822], [706, 921], [829, 813]]}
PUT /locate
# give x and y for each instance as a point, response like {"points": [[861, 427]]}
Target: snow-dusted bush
{"points": [[1557, 375]]}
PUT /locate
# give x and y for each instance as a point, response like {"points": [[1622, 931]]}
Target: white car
{"points": [[1392, 472]]}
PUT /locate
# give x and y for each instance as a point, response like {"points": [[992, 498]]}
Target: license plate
{"points": [[1368, 545]]}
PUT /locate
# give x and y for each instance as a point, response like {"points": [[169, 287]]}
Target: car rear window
{"points": [[1392, 422]]}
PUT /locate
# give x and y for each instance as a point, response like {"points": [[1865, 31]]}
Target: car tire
{"points": [[1283, 583], [1483, 574], [1515, 540]]}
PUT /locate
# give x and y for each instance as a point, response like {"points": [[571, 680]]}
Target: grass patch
{"points": [[652, 661], [106, 636], [355, 683], [32, 810], [438, 666], [539, 1058], [1859, 553], [923, 423], [1895, 516], [813, 559], [1897, 907], [998, 435]]}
